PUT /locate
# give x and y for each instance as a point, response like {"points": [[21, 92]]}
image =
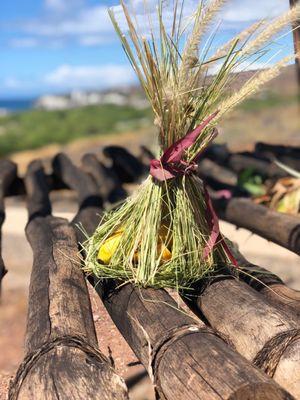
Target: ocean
{"points": [[15, 105]]}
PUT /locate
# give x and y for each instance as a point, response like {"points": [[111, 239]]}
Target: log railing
{"points": [[136, 312], [62, 357], [184, 356]]}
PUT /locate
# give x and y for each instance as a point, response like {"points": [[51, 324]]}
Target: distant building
{"points": [[78, 98], [51, 102]]}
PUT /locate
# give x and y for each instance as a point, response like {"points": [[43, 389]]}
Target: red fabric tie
{"points": [[171, 165]]}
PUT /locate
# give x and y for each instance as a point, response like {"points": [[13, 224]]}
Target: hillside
{"points": [[273, 116]]}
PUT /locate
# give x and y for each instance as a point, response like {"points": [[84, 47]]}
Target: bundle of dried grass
{"points": [[166, 234]]}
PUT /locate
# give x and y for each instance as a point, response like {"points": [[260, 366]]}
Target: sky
{"points": [[55, 46]]}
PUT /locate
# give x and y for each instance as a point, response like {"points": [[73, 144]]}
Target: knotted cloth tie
{"points": [[172, 165]]}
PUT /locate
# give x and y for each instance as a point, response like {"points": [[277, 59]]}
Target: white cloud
{"points": [[69, 77], [87, 21], [249, 10], [13, 83], [91, 40], [62, 5], [71, 20], [26, 42], [55, 4]]}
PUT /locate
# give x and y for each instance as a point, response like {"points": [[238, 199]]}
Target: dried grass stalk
{"points": [[161, 236]]}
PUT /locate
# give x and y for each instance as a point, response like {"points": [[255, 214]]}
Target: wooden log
{"points": [[127, 167], [267, 149], [109, 185], [263, 167], [8, 173], [185, 359], [279, 228], [73, 177], [267, 336], [90, 200], [17, 188], [62, 357], [217, 152], [267, 283], [286, 154], [210, 169]]}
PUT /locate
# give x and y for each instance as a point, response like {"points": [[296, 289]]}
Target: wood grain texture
{"points": [[62, 357], [143, 323], [8, 173], [251, 323], [267, 283], [279, 228], [186, 359]]}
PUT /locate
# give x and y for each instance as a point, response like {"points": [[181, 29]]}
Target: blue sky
{"points": [[54, 46]]}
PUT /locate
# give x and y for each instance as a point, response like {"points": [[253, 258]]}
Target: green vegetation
{"points": [[268, 100], [36, 128]]}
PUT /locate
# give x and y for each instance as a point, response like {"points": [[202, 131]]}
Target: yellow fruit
{"points": [[108, 248], [164, 252], [111, 244]]}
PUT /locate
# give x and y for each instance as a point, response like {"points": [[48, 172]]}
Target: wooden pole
{"points": [[296, 34], [267, 336], [266, 283], [8, 173], [62, 356], [185, 358], [107, 181], [280, 228]]}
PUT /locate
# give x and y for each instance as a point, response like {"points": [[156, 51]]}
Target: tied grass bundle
{"points": [[162, 235]]}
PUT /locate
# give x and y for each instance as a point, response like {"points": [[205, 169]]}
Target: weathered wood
{"points": [[267, 283], [17, 188], [186, 359], [209, 169], [240, 162], [267, 149], [75, 178], [109, 185], [62, 357], [217, 152], [286, 154], [283, 229], [8, 173], [38, 203], [89, 198], [196, 366], [127, 167], [265, 335]]}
